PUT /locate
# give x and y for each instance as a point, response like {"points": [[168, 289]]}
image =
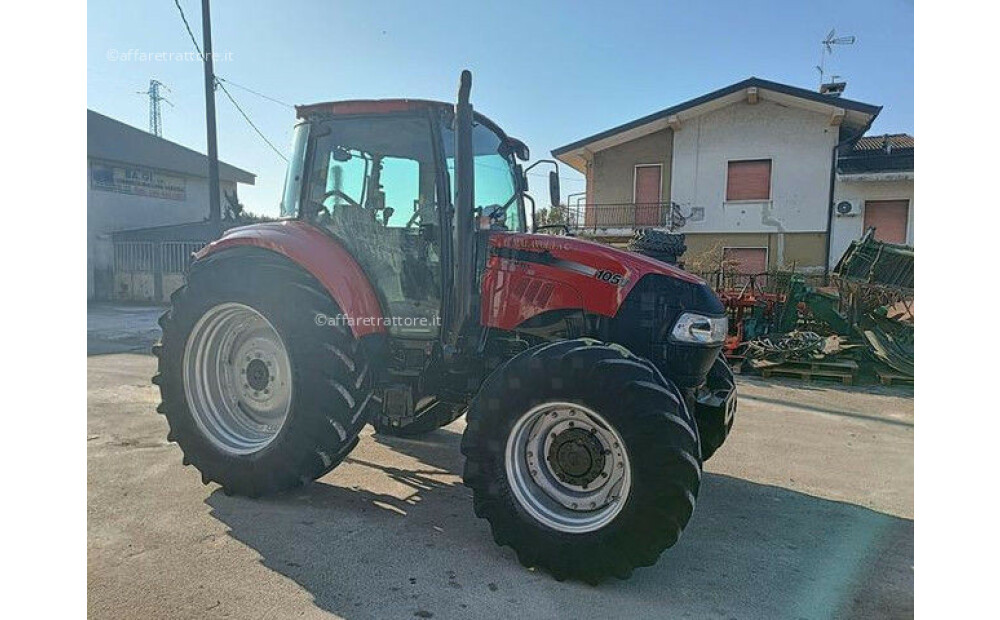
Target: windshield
{"points": [[497, 201]]}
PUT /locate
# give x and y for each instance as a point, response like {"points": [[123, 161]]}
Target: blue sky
{"points": [[549, 73]]}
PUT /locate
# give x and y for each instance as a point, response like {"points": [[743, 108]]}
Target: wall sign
{"points": [[137, 181]]}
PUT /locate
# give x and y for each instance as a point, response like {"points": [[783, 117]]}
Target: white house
{"points": [[746, 173]]}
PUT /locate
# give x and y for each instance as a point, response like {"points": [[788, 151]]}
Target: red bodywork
{"points": [[322, 257], [526, 274]]}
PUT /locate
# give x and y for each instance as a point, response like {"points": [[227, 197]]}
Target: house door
{"points": [[648, 184], [889, 218]]}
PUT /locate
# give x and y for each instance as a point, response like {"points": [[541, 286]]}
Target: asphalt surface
{"points": [[806, 512]]}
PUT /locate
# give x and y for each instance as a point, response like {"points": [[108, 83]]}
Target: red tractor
{"points": [[401, 288]]}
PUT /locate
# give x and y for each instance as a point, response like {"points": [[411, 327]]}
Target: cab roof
{"points": [[365, 107]]}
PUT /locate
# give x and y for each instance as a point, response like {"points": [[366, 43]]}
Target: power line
{"points": [[180, 9], [247, 119], [251, 91], [219, 84]]}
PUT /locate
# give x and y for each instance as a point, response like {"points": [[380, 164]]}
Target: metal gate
{"points": [[150, 271]]}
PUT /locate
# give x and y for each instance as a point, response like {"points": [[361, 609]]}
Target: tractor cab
{"points": [[379, 176]]}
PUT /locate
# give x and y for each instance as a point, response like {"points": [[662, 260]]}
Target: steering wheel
{"points": [[340, 194]]}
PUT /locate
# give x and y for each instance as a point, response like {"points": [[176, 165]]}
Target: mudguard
{"points": [[320, 255]]}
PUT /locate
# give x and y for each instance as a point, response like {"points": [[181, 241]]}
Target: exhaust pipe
{"points": [[464, 274]]}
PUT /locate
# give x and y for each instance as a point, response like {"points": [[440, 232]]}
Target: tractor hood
{"points": [[528, 274]]}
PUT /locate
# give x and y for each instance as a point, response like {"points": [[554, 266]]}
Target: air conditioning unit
{"points": [[848, 208]]}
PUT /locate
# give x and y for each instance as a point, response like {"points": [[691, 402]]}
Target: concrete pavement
{"points": [[806, 512]]}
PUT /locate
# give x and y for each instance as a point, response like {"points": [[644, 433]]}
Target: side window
{"points": [[401, 186]]}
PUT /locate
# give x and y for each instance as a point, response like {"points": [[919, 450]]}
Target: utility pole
{"points": [[155, 124], [214, 206]]}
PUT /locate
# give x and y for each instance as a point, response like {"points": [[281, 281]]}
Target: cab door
{"points": [[374, 183]]}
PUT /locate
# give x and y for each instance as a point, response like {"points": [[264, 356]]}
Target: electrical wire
{"points": [[249, 122], [251, 91], [218, 83]]}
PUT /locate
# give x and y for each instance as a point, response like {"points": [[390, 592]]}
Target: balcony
{"points": [[616, 219]]}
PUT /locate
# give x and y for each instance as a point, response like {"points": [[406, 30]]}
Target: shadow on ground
{"points": [[751, 550], [122, 328]]}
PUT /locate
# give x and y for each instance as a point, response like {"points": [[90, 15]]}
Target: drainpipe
{"points": [[831, 208]]}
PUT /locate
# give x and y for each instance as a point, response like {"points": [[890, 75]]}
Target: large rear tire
{"points": [[260, 394], [583, 458]]}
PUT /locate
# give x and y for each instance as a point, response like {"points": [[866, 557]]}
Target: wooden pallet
{"points": [[844, 371], [888, 377]]}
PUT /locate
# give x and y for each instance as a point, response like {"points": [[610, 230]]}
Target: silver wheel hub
{"points": [[568, 467], [237, 378]]}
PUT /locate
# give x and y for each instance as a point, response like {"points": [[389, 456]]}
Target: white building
{"points": [[745, 172], [138, 180]]}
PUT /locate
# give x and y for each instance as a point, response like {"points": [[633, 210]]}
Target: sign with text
{"points": [[137, 181]]}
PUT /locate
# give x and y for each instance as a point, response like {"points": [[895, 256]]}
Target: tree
{"points": [[556, 214]]}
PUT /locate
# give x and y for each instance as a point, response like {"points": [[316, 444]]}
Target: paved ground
{"points": [[807, 512], [113, 328]]}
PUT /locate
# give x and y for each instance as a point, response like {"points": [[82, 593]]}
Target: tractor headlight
{"points": [[694, 328]]}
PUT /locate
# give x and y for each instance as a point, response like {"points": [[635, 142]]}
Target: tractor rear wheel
{"points": [[583, 459], [260, 394]]}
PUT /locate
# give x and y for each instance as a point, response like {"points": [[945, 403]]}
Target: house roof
{"points": [[887, 142], [856, 114], [889, 153], [113, 140]]}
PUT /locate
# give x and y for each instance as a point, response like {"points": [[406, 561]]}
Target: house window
{"points": [[888, 218], [749, 180], [745, 261]]}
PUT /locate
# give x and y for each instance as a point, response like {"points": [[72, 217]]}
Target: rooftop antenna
{"points": [[827, 49], [155, 124]]}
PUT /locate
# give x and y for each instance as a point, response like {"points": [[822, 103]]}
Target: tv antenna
{"points": [[155, 124], [827, 50]]}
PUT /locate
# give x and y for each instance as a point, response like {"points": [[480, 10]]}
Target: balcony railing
{"points": [[611, 218]]}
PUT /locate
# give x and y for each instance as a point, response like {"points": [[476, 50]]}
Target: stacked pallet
{"points": [[846, 371]]}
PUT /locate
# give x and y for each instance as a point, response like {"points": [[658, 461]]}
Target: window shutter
{"points": [[749, 180]]}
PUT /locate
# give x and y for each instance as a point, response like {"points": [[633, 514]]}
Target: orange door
{"points": [[648, 181], [889, 218]]}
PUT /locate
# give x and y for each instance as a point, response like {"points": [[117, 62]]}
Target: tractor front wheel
{"points": [[583, 459]]}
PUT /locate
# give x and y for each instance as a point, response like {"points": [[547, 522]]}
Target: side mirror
{"points": [[555, 196]]}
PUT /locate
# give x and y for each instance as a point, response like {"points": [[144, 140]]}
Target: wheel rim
{"points": [[568, 467], [237, 378]]}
